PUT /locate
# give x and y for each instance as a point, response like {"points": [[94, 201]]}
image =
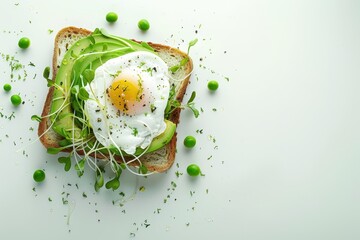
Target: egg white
{"points": [[126, 131]]}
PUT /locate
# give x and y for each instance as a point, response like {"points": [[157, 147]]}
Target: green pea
{"points": [[144, 25], [189, 141], [213, 85], [111, 17], [15, 99], [39, 175], [24, 42], [7, 87], [193, 170]]}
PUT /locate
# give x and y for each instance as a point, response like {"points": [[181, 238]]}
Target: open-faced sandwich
{"points": [[114, 99]]}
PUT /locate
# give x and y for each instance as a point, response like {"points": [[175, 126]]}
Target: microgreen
{"points": [[185, 60], [54, 150], [143, 169], [46, 75], [99, 183], [174, 104], [89, 75], [79, 167], [83, 94], [36, 118], [113, 184], [191, 44], [66, 161]]}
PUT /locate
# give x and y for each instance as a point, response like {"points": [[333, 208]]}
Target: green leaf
{"points": [[53, 150], [192, 97], [99, 183], [84, 133], [83, 94], [143, 169], [191, 44], [89, 75], [50, 83], [66, 161], [123, 166], [65, 142], [173, 69], [76, 106], [114, 150], [184, 61], [75, 89], [36, 118], [79, 167], [175, 103], [113, 184], [194, 110], [117, 168], [46, 72]]}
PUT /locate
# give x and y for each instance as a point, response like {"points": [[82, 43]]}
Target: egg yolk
{"points": [[124, 94]]}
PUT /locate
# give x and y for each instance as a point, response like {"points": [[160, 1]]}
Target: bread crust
{"points": [[51, 139]]}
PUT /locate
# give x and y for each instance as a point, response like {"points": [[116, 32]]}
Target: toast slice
{"points": [[157, 161]]}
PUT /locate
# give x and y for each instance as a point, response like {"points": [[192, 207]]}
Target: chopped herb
{"points": [[135, 132], [65, 201]]}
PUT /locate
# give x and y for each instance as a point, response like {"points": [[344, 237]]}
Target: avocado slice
{"points": [[161, 140], [157, 142]]}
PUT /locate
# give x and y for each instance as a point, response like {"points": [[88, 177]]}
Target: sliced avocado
{"points": [[157, 142], [88, 52], [161, 140]]}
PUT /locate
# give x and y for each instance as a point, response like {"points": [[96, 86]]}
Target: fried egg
{"points": [[127, 100]]}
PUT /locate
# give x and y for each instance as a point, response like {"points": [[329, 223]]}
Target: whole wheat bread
{"points": [[158, 161]]}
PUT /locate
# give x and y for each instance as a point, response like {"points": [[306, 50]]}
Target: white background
{"points": [[285, 162]]}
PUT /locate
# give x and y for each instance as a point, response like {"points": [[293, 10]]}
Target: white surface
{"points": [[286, 125]]}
